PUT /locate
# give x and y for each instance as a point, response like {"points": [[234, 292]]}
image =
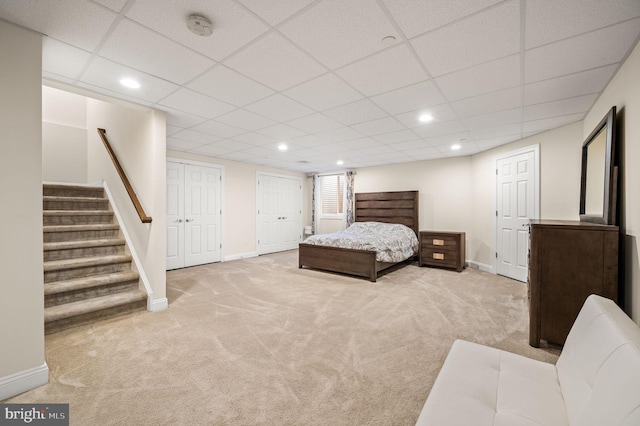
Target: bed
{"points": [[387, 207]]}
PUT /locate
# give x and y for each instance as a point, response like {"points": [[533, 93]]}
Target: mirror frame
{"points": [[608, 217]]}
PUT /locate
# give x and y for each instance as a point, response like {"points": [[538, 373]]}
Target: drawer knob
{"points": [[438, 242], [439, 256]]}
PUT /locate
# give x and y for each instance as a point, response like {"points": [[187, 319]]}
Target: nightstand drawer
{"points": [[443, 249]]}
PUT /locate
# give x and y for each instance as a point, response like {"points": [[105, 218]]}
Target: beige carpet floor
{"points": [[259, 341]]}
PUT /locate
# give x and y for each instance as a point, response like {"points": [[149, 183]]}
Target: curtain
{"points": [[348, 197], [314, 203]]}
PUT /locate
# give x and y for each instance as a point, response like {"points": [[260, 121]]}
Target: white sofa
{"points": [[596, 380]]}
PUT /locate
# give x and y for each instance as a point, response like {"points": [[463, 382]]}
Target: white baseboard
{"points": [[241, 256], [23, 381], [481, 266], [158, 305]]}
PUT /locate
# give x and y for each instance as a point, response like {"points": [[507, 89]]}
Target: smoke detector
{"points": [[199, 25]]}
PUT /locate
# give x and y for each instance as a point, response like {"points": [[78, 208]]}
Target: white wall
{"points": [[624, 93], [138, 137], [22, 363], [240, 210], [64, 136]]}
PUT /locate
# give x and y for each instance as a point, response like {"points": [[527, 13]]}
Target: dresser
{"points": [[442, 249], [568, 261]]}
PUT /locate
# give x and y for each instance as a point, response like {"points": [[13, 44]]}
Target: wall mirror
{"points": [[598, 187]]}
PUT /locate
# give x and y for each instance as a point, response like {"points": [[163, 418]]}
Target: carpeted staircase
{"points": [[88, 274]]}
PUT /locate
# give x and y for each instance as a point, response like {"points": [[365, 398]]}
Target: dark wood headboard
{"points": [[388, 207]]}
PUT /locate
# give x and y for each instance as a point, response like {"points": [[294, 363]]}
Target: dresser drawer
{"points": [[442, 249]]}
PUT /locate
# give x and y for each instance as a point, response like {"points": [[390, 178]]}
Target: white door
{"points": [[516, 205], [175, 215], [202, 215], [193, 215], [279, 213]]}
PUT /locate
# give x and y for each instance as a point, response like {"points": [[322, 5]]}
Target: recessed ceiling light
{"points": [[130, 83], [456, 146], [425, 118], [282, 147], [339, 162]]}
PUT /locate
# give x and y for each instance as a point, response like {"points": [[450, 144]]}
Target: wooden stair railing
{"points": [[134, 198]]}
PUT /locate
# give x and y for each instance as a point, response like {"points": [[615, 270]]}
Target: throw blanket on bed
{"points": [[392, 242]]}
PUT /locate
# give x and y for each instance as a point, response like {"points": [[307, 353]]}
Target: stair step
{"points": [[72, 190], [82, 312], [55, 233], [76, 217], [74, 203], [59, 292], [59, 270], [87, 248]]}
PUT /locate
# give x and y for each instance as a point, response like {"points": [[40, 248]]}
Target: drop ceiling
{"points": [[317, 76]]}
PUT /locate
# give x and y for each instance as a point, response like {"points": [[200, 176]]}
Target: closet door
{"points": [[279, 213], [202, 215], [193, 215], [175, 215]]}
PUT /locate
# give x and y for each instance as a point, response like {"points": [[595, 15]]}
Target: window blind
{"points": [[332, 188]]}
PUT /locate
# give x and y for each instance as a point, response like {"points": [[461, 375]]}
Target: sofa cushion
{"points": [[599, 367], [479, 385]]}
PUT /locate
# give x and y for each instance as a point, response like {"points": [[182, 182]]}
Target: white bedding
{"points": [[392, 242]]}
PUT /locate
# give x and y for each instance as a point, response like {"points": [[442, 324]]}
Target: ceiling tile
{"points": [[337, 39], [276, 63], [410, 98], [279, 108], [107, 74], [181, 145], [385, 71], [356, 112], [490, 77], [153, 53], [490, 102], [234, 145], [238, 156], [395, 137], [195, 103], [275, 12], [417, 17], [549, 21], [211, 150], [582, 83], [493, 142], [233, 26], [113, 94], [493, 119], [281, 131], [591, 50], [497, 131], [341, 134], [439, 129], [115, 5], [440, 113], [229, 86], [254, 139], [171, 130], [377, 127], [76, 22], [414, 144], [216, 128], [448, 139], [327, 91], [63, 59], [558, 108], [197, 137], [309, 141], [481, 38], [550, 123], [361, 144], [245, 120], [314, 123]]}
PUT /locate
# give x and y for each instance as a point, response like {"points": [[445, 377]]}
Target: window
{"points": [[332, 192]]}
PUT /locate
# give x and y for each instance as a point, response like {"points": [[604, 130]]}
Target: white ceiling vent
{"points": [[200, 25]]}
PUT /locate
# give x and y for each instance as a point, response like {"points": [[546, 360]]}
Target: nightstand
{"points": [[442, 249]]}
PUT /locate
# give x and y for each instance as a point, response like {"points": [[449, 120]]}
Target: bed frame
{"points": [[388, 207]]}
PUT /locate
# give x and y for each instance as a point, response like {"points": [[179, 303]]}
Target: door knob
{"points": [[178, 221], [189, 220]]}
